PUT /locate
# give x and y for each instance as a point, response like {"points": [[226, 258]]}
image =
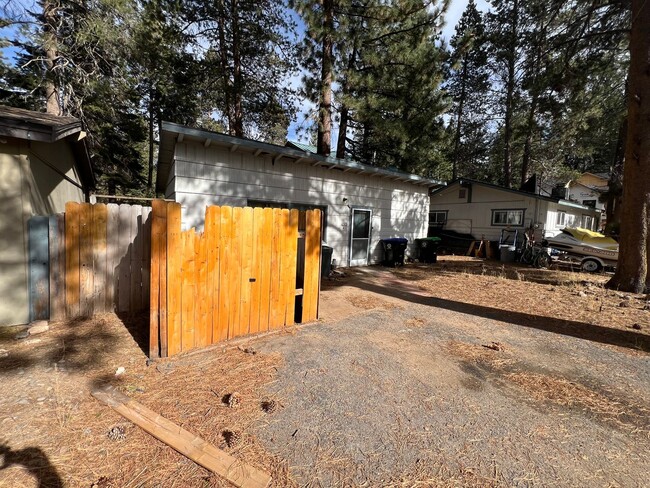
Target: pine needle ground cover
{"points": [[461, 373]]}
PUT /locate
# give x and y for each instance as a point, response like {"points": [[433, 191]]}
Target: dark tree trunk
{"points": [[151, 124], [225, 70], [510, 91], [238, 115], [530, 124], [345, 110], [325, 105], [632, 272], [50, 45], [459, 119]]}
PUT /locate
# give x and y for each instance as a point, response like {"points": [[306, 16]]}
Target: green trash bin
{"points": [[428, 249]]}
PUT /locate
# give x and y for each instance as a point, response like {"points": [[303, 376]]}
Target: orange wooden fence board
{"points": [[274, 316], [256, 270], [174, 278], [234, 283], [285, 258], [290, 268], [246, 273], [312, 266], [72, 259], [203, 294], [212, 228], [188, 292], [225, 263], [87, 287], [265, 267]]}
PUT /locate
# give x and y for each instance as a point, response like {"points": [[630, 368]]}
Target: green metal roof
{"points": [[302, 147]]}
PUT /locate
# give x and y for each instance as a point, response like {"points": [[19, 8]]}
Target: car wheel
{"points": [[591, 266], [543, 260]]}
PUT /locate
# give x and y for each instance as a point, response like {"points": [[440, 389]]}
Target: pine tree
{"points": [[468, 85]]}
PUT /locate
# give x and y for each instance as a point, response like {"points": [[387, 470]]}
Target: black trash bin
{"points": [[428, 249], [394, 251], [325, 261]]}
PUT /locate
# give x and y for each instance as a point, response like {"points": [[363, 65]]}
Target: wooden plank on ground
{"points": [[146, 256], [137, 229], [203, 293], [247, 267], [195, 448], [312, 266], [174, 278], [290, 267], [112, 260], [86, 277], [57, 266], [274, 306], [212, 229], [234, 326], [256, 270], [99, 220], [39, 271], [265, 268], [188, 292], [225, 263], [72, 259], [124, 259]]}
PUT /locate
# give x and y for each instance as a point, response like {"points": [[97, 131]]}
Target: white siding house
{"points": [[483, 210], [198, 168]]}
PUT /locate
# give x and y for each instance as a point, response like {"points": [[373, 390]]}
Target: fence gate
{"points": [[249, 271]]}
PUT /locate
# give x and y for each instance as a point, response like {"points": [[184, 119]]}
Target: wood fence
{"points": [[99, 258], [250, 271]]}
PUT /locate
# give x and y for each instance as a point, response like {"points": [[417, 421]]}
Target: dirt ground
{"points": [[461, 373]]}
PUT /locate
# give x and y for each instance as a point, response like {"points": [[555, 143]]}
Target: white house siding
{"points": [[476, 217], [28, 187], [574, 217], [215, 176]]}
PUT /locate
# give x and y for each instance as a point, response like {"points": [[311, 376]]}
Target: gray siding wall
{"points": [[215, 176]]}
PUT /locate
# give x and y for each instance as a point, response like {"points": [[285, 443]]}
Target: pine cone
{"points": [[116, 433], [102, 482], [232, 438], [269, 406], [234, 400]]}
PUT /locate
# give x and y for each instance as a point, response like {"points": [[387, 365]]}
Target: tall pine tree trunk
{"points": [[151, 124], [223, 61], [50, 45], [238, 116], [530, 123], [510, 92], [632, 270], [345, 110], [325, 106], [459, 119]]}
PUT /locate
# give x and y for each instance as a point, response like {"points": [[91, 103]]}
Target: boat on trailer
{"points": [[593, 250]]}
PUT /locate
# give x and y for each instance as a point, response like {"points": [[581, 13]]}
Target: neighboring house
{"points": [[588, 188], [44, 163], [483, 210], [361, 204]]}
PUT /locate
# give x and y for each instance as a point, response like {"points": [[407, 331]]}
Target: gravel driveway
{"points": [[393, 391]]}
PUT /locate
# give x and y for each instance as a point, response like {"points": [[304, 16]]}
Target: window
{"points": [[438, 217], [462, 193], [589, 203], [561, 218], [587, 221], [570, 220], [513, 217]]}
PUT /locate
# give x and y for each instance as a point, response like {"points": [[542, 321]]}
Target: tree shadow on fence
{"points": [[580, 330], [34, 460]]}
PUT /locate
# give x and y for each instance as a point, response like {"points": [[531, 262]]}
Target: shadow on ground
{"points": [[34, 460], [595, 333]]}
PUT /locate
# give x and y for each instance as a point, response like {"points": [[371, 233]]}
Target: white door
{"points": [[361, 225]]}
